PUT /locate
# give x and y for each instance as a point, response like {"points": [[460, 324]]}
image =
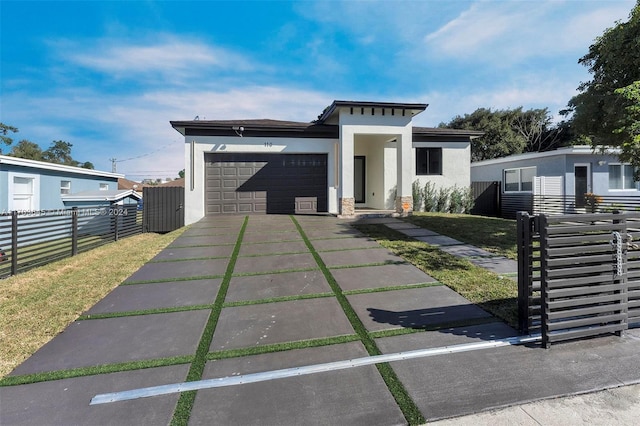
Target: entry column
{"points": [[404, 197], [347, 199]]}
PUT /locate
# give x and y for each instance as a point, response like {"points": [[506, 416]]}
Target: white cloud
{"points": [[507, 32], [166, 55]]}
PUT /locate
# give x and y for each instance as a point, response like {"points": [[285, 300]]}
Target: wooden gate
{"points": [[163, 208]]}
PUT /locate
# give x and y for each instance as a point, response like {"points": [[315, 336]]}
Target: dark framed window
{"points": [[428, 161]]}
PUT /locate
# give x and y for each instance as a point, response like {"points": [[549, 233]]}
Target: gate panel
{"points": [[584, 275], [163, 208], [589, 274]]}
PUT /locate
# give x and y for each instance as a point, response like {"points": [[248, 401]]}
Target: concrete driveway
{"points": [[238, 295]]}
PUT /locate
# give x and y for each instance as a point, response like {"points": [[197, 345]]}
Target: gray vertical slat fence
{"points": [[163, 208], [584, 263], [486, 196]]}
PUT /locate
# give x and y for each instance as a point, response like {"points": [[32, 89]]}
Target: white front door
{"points": [[23, 193]]}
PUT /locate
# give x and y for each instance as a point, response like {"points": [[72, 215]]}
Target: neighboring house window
{"points": [[621, 176], [428, 161], [519, 180], [65, 187], [104, 187]]}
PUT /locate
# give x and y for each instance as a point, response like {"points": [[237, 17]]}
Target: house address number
{"points": [[268, 144]]}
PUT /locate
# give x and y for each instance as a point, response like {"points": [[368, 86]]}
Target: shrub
{"points": [[468, 202], [456, 198], [416, 192], [442, 199], [429, 197]]}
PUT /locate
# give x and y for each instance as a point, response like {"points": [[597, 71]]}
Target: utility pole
{"points": [[113, 165]]}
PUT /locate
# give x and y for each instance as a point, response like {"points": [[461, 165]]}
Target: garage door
{"points": [[265, 183]]}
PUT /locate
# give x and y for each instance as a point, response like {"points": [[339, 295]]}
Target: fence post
{"points": [[623, 280], [524, 270], [74, 231], [544, 301], [114, 215], [14, 242]]}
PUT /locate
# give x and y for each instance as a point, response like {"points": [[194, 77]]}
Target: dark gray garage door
{"points": [[265, 183]]}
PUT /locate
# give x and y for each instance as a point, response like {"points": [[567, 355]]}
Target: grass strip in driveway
{"points": [[170, 280], [186, 259], [281, 347], [406, 404], [279, 271], [185, 402], [433, 327], [87, 317], [275, 299], [391, 288], [92, 371]]}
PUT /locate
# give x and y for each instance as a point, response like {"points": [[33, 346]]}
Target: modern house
{"points": [[564, 175], [355, 155], [29, 185]]}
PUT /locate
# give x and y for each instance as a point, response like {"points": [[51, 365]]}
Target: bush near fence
{"points": [[35, 238]]}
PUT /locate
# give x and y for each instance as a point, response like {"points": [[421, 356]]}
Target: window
{"points": [[519, 180], [621, 176], [104, 187], [65, 187], [428, 161]]}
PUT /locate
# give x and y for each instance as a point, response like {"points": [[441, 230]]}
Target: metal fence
{"points": [[578, 275], [590, 203], [35, 238]]}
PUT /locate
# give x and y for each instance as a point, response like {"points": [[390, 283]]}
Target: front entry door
{"points": [[359, 179], [582, 183]]}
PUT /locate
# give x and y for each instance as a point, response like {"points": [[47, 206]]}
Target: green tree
{"points": [[536, 126], [60, 153], [27, 149], [500, 138], [614, 62], [181, 173], [629, 125], [4, 131]]}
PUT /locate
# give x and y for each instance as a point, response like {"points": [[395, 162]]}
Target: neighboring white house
{"points": [[357, 154], [567, 173], [29, 185]]}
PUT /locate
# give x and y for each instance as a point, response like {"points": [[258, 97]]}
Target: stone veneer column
{"points": [[347, 206], [404, 205]]}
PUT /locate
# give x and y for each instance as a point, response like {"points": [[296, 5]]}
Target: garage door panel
{"points": [[265, 183]]}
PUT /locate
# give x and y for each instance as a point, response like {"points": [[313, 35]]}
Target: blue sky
{"points": [[107, 76]]}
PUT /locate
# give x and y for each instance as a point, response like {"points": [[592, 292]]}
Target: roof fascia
{"points": [[328, 112], [15, 161], [572, 150]]}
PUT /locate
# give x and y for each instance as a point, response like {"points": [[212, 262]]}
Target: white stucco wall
{"points": [[456, 161], [382, 126], [195, 197]]}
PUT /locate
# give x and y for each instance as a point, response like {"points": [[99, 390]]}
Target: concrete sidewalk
{"points": [[248, 295]]}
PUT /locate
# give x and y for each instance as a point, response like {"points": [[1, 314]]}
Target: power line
{"points": [[115, 160]]}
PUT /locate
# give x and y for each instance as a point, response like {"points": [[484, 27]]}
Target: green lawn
{"points": [[489, 233]]}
